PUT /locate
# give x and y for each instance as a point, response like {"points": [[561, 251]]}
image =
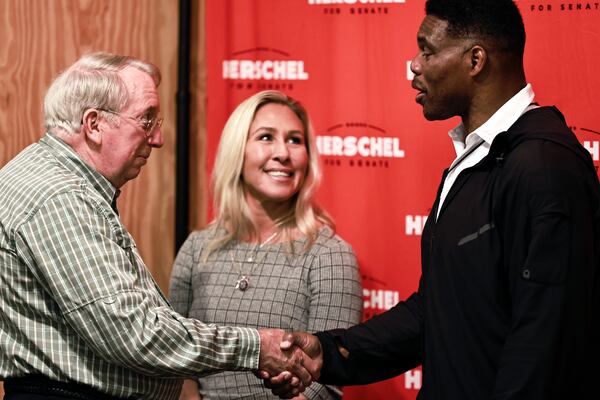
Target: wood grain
{"points": [[199, 182], [42, 37]]}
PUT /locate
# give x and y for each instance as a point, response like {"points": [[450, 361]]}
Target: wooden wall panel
{"points": [[199, 182], [41, 38]]}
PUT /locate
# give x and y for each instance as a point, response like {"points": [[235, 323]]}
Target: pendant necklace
{"points": [[243, 281]]}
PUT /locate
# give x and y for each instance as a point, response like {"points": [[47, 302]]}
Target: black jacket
{"points": [[508, 303]]}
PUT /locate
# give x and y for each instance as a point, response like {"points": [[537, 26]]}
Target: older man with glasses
{"points": [[80, 315]]}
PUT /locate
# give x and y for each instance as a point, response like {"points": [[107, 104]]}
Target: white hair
{"points": [[92, 82]]}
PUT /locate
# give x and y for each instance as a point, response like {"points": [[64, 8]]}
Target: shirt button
{"points": [[109, 300], [526, 274]]}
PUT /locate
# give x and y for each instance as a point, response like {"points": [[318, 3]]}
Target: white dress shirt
{"points": [[472, 148]]}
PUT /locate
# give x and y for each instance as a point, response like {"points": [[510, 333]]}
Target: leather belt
{"points": [[39, 384]]}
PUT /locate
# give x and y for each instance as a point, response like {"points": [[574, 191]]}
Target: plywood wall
{"points": [[39, 38]]}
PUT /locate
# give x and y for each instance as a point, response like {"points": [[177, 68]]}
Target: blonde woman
{"points": [[271, 257]]}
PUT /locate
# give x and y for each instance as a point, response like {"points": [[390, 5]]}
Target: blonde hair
{"points": [[92, 82], [232, 210]]}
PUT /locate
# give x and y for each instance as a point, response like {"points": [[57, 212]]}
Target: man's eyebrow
{"points": [[152, 111], [423, 42]]}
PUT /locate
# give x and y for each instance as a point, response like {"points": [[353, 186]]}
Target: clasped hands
{"points": [[289, 362]]}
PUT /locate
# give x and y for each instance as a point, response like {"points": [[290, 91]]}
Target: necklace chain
{"points": [[256, 248], [243, 281]]}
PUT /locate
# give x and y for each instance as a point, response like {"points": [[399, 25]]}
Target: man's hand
{"points": [[287, 364], [311, 347], [308, 349]]}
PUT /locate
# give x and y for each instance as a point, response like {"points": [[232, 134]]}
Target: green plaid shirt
{"points": [[77, 302]]}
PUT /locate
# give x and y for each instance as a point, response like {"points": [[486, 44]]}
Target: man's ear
{"points": [[478, 59], [90, 126]]}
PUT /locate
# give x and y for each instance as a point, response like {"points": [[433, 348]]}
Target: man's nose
{"points": [[155, 139], [415, 66]]}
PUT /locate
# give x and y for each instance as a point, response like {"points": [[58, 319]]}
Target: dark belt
{"points": [[39, 384]]}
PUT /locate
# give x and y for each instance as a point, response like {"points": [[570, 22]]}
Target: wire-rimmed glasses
{"points": [[147, 125]]}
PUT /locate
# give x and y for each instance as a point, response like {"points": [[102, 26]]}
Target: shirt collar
{"points": [[500, 121], [71, 160]]}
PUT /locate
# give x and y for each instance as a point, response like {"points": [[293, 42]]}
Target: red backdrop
{"points": [[347, 62]]}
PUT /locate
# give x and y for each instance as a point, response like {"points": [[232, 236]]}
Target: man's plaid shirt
{"points": [[77, 302]]}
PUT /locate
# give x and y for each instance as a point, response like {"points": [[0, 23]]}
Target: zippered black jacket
{"points": [[509, 298]]}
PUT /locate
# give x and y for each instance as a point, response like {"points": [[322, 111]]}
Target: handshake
{"points": [[289, 362]]}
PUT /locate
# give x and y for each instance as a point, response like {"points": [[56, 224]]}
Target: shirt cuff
{"points": [[249, 348]]}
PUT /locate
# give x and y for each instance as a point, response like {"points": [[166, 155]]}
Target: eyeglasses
{"points": [[148, 125]]}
